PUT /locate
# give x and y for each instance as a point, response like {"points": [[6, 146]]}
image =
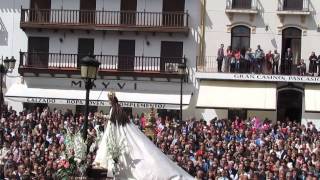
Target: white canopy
{"points": [[22, 93], [248, 95], [312, 98]]}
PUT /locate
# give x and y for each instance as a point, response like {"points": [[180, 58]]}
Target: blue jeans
{"points": [[237, 66]]}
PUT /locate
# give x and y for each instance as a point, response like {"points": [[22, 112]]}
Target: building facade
{"points": [[274, 25], [141, 44]]}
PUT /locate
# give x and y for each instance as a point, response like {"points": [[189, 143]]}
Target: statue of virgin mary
{"points": [[128, 154]]}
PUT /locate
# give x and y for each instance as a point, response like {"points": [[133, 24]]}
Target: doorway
{"points": [[291, 38], [38, 52], [289, 105], [293, 5], [40, 10], [240, 38], [85, 48], [171, 54], [128, 10], [241, 4], [127, 50], [87, 11], [173, 6]]}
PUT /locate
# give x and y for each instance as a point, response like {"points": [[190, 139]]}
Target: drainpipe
{"points": [[201, 52]]}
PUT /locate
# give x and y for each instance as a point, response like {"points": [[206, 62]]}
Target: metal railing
{"points": [[293, 5], [209, 64], [37, 60], [242, 4], [105, 18]]}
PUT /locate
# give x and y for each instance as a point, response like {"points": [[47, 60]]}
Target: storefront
{"points": [[134, 96], [282, 101]]}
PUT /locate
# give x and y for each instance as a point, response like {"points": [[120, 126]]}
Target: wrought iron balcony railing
{"points": [[294, 5], [105, 20], [241, 5], [66, 63]]}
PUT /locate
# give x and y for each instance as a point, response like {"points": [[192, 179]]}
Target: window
{"points": [[293, 5], [241, 4], [240, 38]]}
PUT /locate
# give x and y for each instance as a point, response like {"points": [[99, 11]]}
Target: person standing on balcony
{"points": [[238, 58], [259, 56], [249, 59], [301, 68], [220, 57], [275, 62], [318, 64], [288, 58], [227, 60], [268, 63], [232, 61], [313, 63]]}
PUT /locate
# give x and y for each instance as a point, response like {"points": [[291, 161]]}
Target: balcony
{"points": [[111, 65], [207, 68], [242, 7], [293, 7], [168, 22]]}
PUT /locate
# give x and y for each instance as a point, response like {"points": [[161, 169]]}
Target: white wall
{"points": [[12, 39], [311, 117], [209, 114]]}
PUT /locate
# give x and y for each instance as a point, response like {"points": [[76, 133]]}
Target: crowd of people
{"points": [[260, 62], [237, 149], [31, 143]]}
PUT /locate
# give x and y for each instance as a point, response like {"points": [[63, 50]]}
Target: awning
{"points": [[22, 93], [246, 95], [312, 98]]}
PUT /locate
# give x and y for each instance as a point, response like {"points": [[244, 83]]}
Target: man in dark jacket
{"points": [[220, 57], [288, 58]]}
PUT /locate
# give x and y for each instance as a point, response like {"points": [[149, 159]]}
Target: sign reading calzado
{"points": [[95, 103]]}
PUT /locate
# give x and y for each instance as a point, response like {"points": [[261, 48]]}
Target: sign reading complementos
{"points": [[97, 103]]}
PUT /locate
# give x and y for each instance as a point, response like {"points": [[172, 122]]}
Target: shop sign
{"points": [[94, 103], [106, 85], [276, 78]]}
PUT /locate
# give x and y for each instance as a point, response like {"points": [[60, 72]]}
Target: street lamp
{"points": [[182, 73], [89, 71], [6, 65]]}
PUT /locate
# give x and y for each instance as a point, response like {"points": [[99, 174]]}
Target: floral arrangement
{"points": [[116, 146], [151, 117], [73, 159]]}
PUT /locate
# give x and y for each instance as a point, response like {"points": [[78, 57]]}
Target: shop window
{"points": [[81, 109], [241, 113]]}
